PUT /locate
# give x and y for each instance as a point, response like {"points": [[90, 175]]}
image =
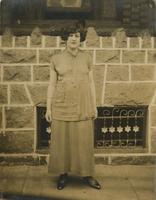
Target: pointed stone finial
{"points": [[92, 38], [36, 37], [119, 32], [121, 38], [36, 31], [7, 37], [145, 33], [146, 38], [8, 32]]}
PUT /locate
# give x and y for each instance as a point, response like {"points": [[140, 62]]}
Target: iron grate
{"points": [[120, 126], [43, 128]]}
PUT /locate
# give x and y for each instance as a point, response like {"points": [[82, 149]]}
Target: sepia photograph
{"points": [[77, 99]]}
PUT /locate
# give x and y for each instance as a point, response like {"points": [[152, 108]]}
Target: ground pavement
{"points": [[125, 182]]}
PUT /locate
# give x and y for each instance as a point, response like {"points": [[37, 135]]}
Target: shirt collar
{"points": [[73, 53]]}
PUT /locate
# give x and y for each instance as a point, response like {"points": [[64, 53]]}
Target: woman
{"points": [[71, 106]]}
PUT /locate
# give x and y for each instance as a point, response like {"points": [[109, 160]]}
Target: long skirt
{"points": [[72, 148]]}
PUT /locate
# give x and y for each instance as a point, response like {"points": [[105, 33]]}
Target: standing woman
{"points": [[71, 106]]}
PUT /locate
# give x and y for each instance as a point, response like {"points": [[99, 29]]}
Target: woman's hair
{"points": [[65, 32]]}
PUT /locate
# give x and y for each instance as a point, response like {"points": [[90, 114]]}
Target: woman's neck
{"points": [[73, 51]]}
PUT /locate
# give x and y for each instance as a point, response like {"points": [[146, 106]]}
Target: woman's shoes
{"points": [[62, 181], [89, 180]]}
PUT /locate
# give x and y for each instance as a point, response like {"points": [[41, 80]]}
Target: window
{"points": [[68, 9], [64, 3], [121, 127]]}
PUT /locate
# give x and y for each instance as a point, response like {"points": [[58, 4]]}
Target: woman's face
{"points": [[73, 40]]}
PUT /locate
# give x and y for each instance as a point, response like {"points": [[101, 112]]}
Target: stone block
{"points": [[21, 41], [152, 56], [17, 142], [129, 93], [19, 117], [38, 93], [32, 160], [92, 38], [41, 73], [17, 160], [117, 73], [153, 116], [146, 42], [36, 37], [107, 42], [7, 41], [137, 56], [17, 56], [134, 42], [50, 41], [98, 72], [16, 73], [46, 54], [101, 160], [18, 94], [3, 94], [153, 140], [143, 72], [133, 160], [0, 117], [107, 56]]}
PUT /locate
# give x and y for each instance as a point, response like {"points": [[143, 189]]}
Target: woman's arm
{"points": [[93, 93], [50, 92]]}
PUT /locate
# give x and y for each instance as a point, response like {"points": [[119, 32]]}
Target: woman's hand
{"points": [[48, 115], [95, 113]]}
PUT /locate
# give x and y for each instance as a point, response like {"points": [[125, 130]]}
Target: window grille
{"points": [[43, 128], [120, 126]]}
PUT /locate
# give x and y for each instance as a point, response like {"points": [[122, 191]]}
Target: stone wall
{"points": [[124, 73]]}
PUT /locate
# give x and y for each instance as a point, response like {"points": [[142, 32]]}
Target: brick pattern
{"points": [[124, 73]]}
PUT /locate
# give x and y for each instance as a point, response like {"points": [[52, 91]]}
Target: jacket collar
{"points": [[73, 53]]}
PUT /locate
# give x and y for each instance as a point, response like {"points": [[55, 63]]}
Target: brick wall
{"points": [[124, 73]]}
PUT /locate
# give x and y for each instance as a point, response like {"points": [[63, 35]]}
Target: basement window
{"points": [[43, 128], [121, 127]]}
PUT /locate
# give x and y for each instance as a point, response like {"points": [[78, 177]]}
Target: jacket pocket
{"points": [[59, 95]]}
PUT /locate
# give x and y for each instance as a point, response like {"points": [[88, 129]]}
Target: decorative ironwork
{"points": [[120, 126], [43, 128]]}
